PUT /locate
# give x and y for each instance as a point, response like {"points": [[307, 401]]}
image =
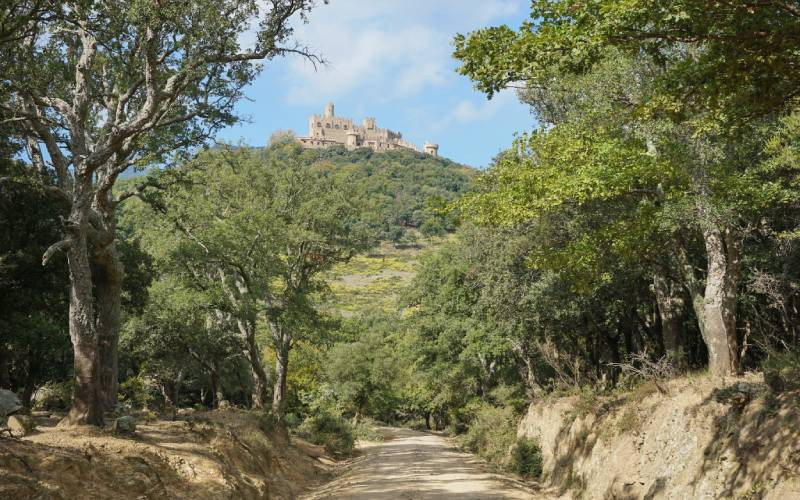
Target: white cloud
{"points": [[385, 50], [472, 111]]}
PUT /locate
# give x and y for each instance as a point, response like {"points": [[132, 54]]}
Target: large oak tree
{"points": [[95, 87]]}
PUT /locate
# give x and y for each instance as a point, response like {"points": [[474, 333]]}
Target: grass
{"points": [[374, 280]]}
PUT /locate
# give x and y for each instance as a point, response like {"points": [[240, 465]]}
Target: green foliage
{"points": [[365, 430], [363, 373], [137, 391], [492, 433], [53, 396], [34, 343], [526, 458], [741, 54], [782, 369], [268, 422], [331, 431], [403, 190]]}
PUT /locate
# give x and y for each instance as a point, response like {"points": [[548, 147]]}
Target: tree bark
{"points": [[109, 274], [5, 378], [723, 248], [216, 391], [260, 378], [87, 408], [669, 299], [281, 370], [247, 329], [693, 285]]}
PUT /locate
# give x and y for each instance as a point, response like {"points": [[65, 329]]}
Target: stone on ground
{"points": [[9, 403], [20, 425], [125, 425]]}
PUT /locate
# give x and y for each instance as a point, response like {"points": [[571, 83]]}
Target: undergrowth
{"points": [[331, 431]]}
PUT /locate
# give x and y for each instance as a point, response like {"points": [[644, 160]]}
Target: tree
{"points": [[97, 87], [174, 336], [257, 229], [34, 299], [320, 225], [731, 59], [628, 143]]}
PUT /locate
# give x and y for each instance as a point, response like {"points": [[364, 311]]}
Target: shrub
{"points": [[331, 431], [526, 458], [292, 420], [492, 431], [629, 421], [366, 432], [137, 391], [267, 422], [781, 369], [53, 396]]}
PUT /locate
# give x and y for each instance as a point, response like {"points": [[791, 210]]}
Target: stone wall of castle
{"points": [[328, 130]]}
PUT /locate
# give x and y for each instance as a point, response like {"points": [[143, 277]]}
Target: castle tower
{"points": [[352, 140], [329, 110], [431, 149], [369, 123]]}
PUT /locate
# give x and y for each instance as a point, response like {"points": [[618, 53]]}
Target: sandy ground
{"points": [[218, 455], [417, 465]]}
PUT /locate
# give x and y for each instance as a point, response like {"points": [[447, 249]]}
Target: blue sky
{"points": [[390, 59]]}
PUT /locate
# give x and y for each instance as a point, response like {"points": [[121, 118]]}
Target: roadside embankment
{"points": [[210, 455], [699, 439]]}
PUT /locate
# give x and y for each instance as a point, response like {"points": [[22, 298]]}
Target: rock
{"points": [[41, 414], [125, 425], [52, 397], [224, 405], [9, 403], [20, 425]]}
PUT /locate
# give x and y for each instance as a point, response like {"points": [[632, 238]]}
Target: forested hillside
{"points": [[406, 192]]}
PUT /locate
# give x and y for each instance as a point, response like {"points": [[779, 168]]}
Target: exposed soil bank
{"points": [[703, 439], [215, 455], [417, 465]]}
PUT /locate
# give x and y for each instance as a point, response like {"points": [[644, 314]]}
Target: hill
{"points": [[405, 190]]}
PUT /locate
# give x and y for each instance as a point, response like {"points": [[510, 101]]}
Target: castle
{"points": [[329, 130]]}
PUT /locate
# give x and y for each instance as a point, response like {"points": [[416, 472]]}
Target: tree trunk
{"points": [[216, 392], [669, 299], [723, 249], [260, 378], [109, 274], [5, 378], [87, 407], [693, 285], [27, 391], [247, 329], [281, 369]]}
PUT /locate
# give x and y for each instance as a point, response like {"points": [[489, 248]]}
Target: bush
{"points": [[492, 431], [53, 396], [331, 431], [268, 422], [138, 391], [782, 369], [526, 458], [292, 421], [366, 431]]}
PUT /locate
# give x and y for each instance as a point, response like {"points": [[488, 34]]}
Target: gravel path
{"points": [[417, 465]]}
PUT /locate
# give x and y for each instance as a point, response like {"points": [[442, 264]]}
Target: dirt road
{"points": [[416, 465]]}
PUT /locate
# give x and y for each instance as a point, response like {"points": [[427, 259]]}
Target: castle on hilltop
{"points": [[329, 130]]}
